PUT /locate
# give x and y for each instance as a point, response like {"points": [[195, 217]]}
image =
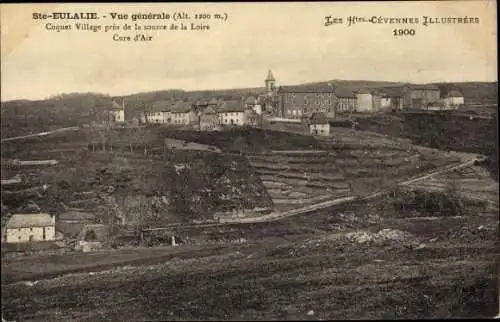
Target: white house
{"points": [[391, 98], [455, 98], [159, 113], [22, 228], [319, 124], [365, 101], [254, 104], [182, 113], [231, 113], [117, 112]]}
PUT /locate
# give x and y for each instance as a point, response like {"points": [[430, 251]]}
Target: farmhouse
{"points": [[117, 112], [253, 104], [318, 124], [209, 120], [251, 117], [347, 101], [159, 112], [231, 113], [23, 228], [420, 96], [391, 98], [455, 98], [367, 101], [182, 113]]}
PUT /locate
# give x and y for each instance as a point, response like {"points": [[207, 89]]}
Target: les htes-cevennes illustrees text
{"points": [[424, 20]]}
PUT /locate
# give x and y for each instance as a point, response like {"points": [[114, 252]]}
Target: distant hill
{"points": [[353, 84], [23, 116]]}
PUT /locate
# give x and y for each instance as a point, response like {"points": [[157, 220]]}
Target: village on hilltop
{"points": [[313, 105]]}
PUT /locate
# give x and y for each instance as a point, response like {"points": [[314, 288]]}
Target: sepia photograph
{"points": [[249, 161]]}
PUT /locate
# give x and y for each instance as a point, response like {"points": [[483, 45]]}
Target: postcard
{"points": [[249, 161]]}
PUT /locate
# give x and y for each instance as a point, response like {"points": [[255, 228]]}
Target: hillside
{"points": [[179, 187], [442, 131], [367, 260]]}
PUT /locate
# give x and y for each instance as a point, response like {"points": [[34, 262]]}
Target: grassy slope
{"points": [[443, 131], [309, 268]]}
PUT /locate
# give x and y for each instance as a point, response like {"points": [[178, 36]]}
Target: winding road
{"points": [[328, 203]]}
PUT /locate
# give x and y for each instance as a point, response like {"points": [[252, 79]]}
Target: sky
{"points": [[288, 38]]}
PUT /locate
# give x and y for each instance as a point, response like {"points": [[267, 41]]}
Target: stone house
{"points": [[319, 124], [22, 228]]}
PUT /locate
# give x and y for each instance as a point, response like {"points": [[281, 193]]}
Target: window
{"points": [[44, 233], [31, 229]]}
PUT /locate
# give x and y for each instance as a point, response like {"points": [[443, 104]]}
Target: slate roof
{"points": [[270, 76], [29, 220], [392, 91], [115, 106], [364, 91], [181, 107], [201, 102], [209, 110], [454, 93], [231, 106], [250, 100], [213, 101], [318, 118], [161, 106], [344, 92]]}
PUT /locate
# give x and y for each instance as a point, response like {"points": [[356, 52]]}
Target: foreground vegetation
{"points": [[359, 261]]}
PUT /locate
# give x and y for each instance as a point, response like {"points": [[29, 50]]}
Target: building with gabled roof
{"points": [[319, 124], [30, 227], [418, 96], [117, 112], [347, 101], [209, 119], [231, 112], [296, 102], [159, 112], [454, 98], [183, 113]]}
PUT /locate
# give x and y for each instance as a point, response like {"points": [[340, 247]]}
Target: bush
{"points": [[426, 203]]}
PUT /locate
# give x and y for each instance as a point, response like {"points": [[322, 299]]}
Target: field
{"points": [[359, 261], [350, 163]]}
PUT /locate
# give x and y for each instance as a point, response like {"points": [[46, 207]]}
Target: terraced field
{"points": [[471, 182], [353, 165]]}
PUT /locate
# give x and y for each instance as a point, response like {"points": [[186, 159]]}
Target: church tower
{"points": [[270, 83]]}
